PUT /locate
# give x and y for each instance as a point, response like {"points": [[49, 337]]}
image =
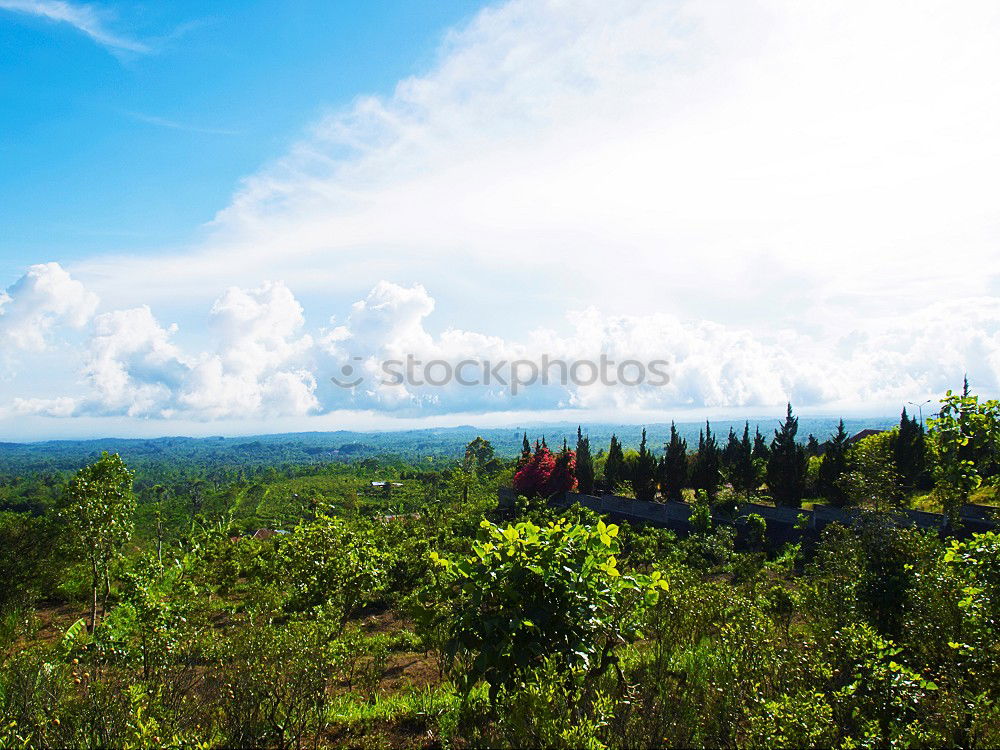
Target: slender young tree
{"points": [[159, 491], [967, 408], [197, 491], [99, 506], [786, 467], [584, 464], [674, 466]]}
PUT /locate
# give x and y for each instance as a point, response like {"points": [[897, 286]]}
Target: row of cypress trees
{"points": [[746, 462], [705, 469]]}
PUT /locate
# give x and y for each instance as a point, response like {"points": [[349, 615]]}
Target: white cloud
{"points": [[259, 327], [259, 367], [788, 200], [135, 369], [44, 297], [884, 361], [62, 406], [264, 365], [763, 164], [164, 122], [84, 18], [132, 365]]}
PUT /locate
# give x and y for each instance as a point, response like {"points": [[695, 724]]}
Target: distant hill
{"points": [[409, 445]]}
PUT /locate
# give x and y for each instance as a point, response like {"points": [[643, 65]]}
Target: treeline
{"points": [[954, 454]]}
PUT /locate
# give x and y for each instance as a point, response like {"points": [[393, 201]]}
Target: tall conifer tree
{"points": [[674, 466], [614, 466], [730, 452], [833, 467], [760, 450], [786, 466], [525, 452], [909, 454], [743, 473], [812, 446], [644, 472], [705, 471]]}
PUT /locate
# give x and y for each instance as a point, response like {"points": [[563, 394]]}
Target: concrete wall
{"points": [[782, 522]]}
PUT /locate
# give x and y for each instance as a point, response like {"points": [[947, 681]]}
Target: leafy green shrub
{"points": [[541, 712], [876, 699], [708, 550], [331, 563], [530, 594], [649, 546], [701, 513], [974, 564], [801, 720], [756, 531], [270, 685]]}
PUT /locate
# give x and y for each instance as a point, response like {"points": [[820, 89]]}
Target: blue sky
{"points": [[205, 214], [106, 149]]}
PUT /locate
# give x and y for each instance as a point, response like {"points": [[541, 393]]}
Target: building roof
{"points": [[862, 435], [268, 533]]}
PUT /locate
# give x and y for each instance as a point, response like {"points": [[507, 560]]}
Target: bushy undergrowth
{"points": [[457, 627]]}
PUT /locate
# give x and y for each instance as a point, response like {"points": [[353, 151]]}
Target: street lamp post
{"points": [[920, 408]]}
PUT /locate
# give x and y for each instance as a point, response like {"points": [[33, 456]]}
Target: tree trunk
{"points": [[159, 539], [107, 592], [95, 582]]}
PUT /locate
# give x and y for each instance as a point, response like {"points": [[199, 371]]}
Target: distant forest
{"points": [[408, 445]]}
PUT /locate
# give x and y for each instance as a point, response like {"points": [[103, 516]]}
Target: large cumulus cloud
{"points": [[44, 298]]}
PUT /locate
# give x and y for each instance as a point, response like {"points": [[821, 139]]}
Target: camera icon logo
{"points": [[350, 375]]}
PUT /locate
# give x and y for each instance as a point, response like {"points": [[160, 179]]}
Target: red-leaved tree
{"points": [[545, 474], [563, 476], [533, 478]]}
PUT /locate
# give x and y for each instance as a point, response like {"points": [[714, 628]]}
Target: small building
{"points": [[401, 517], [262, 534], [862, 435]]}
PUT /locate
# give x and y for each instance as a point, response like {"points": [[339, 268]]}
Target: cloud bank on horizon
{"points": [[264, 363], [785, 200]]}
